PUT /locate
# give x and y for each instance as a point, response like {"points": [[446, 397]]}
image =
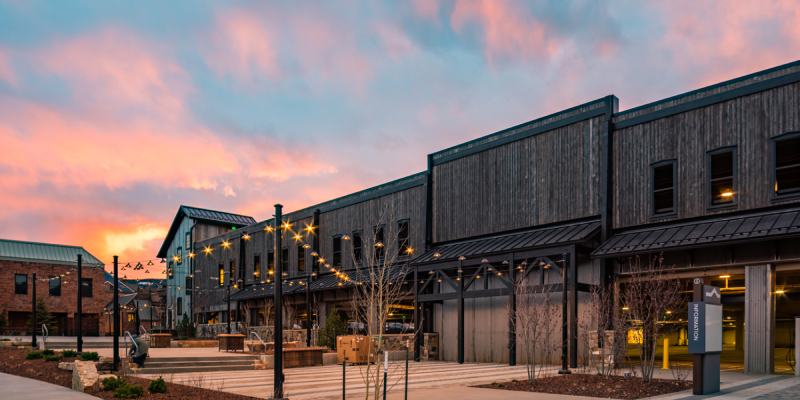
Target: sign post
{"points": [[705, 336]]}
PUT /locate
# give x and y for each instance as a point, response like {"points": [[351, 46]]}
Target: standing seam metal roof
{"points": [[45, 252]]}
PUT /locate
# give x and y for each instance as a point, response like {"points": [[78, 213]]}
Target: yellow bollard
{"points": [[666, 354]]}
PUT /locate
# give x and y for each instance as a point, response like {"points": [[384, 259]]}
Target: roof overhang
{"points": [[724, 231], [233, 220], [531, 239]]}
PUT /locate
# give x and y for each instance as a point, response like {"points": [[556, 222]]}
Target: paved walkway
{"points": [[19, 388]]}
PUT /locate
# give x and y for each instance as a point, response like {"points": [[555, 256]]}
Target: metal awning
{"points": [[712, 232], [530, 239]]}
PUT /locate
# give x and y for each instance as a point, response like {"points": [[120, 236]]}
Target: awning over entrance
{"points": [[712, 232], [533, 238]]}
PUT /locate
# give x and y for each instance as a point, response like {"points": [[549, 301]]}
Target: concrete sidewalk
{"points": [[19, 388]]}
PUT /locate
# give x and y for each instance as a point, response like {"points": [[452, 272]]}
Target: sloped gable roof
{"points": [[201, 214], [16, 250]]}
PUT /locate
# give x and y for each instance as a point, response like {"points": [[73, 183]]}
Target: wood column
{"points": [[417, 317], [512, 303], [573, 308], [460, 304]]}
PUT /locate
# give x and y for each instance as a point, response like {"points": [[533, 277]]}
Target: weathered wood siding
{"points": [[386, 210], [550, 177], [747, 122]]}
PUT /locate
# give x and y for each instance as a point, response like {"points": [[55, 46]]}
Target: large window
{"points": [[337, 251], [221, 274], [301, 258], [271, 262], [721, 169], [380, 243], [403, 246], [189, 286], [20, 284], [663, 189], [180, 306], [358, 245], [257, 266], [285, 260], [86, 287], [786, 153], [55, 286], [232, 271], [179, 256]]}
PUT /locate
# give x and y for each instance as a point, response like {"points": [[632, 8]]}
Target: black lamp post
{"points": [[278, 320], [33, 313], [229, 308], [116, 315], [80, 305]]}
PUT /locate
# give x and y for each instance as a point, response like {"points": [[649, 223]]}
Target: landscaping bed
{"points": [[609, 387], [14, 362]]}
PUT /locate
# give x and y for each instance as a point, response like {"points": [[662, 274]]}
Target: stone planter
{"points": [[186, 344]]}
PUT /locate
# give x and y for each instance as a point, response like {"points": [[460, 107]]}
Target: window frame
{"points": [[179, 255], [232, 271], [301, 251], [179, 306], [90, 289], [379, 254], [189, 286], [335, 254], [270, 264], [775, 197], [50, 287], [257, 267], [735, 176], [285, 264], [653, 166], [401, 247], [16, 288], [358, 257], [221, 274]]}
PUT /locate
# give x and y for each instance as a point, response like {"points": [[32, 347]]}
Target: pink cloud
{"points": [[240, 46], [6, 69]]}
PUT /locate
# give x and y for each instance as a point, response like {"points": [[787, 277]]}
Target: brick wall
{"points": [[62, 307]]}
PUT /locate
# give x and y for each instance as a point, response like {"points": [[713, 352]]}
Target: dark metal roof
{"points": [[201, 214], [130, 300], [718, 231], [122, 286], [539, 237], [44, 252]]}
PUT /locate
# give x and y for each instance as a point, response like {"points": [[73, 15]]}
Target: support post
{"points": [[80, 305], [417, 316], [665, 357], [460, 314], [229, 307], [116, 314], [573, 308], [278, 353], [33, 314], [564, 334], [512, 303], [308, 308], [796, 346]]}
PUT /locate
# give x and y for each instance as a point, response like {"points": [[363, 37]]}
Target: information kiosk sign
{"points": [[705, 336]]}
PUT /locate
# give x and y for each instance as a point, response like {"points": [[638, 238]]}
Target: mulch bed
{"points": [[609, 387], [13, 362]]}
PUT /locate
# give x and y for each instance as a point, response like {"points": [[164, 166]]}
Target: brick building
{"points": [[55, 267]]}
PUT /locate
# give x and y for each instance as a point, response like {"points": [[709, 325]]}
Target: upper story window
{"points": [[786, 156], [663, 183], [20, 284], [721, 167], [232, 271], [380, 244], [188, 286], [86, 287], [55, 286], [337, 251], [301, 258], [403, 245], [285, 260], [179, 256], [271, 262], [180, 306], [169, 269], [221, 274], [257, 266], [358, 245]]}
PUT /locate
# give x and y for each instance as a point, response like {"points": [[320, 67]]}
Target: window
{"points": [[233, 271], [271, 262], [721, 169], [180, 306], [337, 251], [179, 256], [169, 269], [55, 286], [189, 241], [189, 286], [285, 260], [132, 316], [86, 287], [357, 246], [379, 242], [301, 258], [20, 284], [403, 248], [257, 265], [786, 153], [663, 188], [221, 274]]}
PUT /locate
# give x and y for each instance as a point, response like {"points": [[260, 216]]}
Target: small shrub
{"points": [[514, 380], [112, 383], [69, 353], [500, 385], [129, 392], [5, 339], [33, 355], [48, 352], [53, 358], [158, 386], [90, 356]]}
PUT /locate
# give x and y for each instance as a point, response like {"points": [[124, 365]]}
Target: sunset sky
{"points": [[112, 114]]}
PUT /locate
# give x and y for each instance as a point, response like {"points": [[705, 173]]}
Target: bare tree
{"points": [[604, 332], [378, 287], [648, 300], [534, 322]]}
